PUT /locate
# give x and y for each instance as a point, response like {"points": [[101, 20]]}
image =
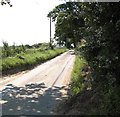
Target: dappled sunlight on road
{"points": [[33, 99]]}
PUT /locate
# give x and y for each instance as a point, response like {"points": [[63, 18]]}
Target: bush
{"points": [[111, 105], [102, 52]]}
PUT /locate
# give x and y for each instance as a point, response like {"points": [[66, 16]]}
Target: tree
{"points": [[4, 2], [68, 21], [6, 48], [101, 32]]}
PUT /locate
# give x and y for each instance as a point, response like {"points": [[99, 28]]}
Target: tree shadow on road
{"points": [[33, 99]]}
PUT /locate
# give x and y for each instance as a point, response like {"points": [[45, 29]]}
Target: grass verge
{"points": [[77, 79], [83, 100], [26, 61]]}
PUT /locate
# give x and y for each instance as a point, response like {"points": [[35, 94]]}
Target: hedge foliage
{"points": [[101, 34]]}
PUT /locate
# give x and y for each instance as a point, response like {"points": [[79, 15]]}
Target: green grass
{"points": [[31, 59], [77, 83]]}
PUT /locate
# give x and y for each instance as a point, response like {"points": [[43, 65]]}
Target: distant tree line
{"points": [[14, 49]]}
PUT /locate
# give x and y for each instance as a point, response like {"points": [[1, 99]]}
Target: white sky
{"points": [[26, 22]]}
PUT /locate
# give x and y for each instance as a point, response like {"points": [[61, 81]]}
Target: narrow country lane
{"points": [[37, 91]]}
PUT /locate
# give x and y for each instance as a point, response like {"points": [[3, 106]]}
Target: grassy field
{"points": [[25, 61]]}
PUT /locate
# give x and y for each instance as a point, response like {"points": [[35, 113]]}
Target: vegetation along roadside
{"points": [[97, 24], [27, 59], [82, 100]]}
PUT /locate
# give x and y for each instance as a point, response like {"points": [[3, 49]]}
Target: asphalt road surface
{"points": [[37, 91]]}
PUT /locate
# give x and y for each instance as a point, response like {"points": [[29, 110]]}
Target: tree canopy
{"points": [[68, 21], [99, 25], [4, 2]]}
